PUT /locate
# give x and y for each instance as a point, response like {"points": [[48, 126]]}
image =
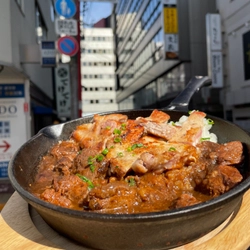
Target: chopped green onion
{"points": [[120, 154], [88, 181], [105, 151], [123, 126], [205, 139], [137, 145], [91, 160], [92, 168], [99, 158], [131, 182], [171, 149], [117, 139], [210, 121], [108, 127], [117, 131]]}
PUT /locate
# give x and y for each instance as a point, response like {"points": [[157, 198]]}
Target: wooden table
{"points": [[21, 227]]}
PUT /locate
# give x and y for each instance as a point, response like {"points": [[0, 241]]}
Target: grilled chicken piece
{"points": [[191, 129], [156, 124]]}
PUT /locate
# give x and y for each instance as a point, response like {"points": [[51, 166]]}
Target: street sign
{"points": [[13, 123], [66, 26], [65, 8], [48, 53], [67, 45], [63, 90]]}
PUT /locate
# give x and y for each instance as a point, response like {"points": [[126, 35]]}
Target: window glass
{"points": [[41, 29]]}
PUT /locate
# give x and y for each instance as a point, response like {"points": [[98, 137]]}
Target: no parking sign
{"points": [[68, 45]]}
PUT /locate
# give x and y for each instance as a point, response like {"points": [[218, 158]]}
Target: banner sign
{"points": [[13, 130], [246, 55], [214, 50], [170, 28], [63, 90]]}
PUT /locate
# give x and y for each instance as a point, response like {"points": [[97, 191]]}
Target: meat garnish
{"points": [[119, 165]]}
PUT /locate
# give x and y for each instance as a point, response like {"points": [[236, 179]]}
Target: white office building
{"points": [[98, 71]]}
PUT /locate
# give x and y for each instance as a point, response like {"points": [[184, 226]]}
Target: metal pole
{"points": [[79, 75]]}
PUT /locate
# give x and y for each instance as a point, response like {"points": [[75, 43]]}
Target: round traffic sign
{"points": [[66, 8], [68, 45]]}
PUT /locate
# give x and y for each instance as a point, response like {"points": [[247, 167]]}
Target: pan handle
{"points": [[181, 102]]}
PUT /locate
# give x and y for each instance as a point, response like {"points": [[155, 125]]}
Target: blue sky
{"points": [[96, 11]]}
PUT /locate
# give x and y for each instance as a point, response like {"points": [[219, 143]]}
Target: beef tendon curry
{"points": [[122, 166]]}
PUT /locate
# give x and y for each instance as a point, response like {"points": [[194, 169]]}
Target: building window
{"points": [[52, 11], [20, 4], [41, 29]]}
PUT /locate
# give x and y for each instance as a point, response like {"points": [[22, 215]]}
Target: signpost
{"points": [[65, 8], [68, 45], [48, 54], [66, 26], [63, 91], [214, 49], [170, 29]]}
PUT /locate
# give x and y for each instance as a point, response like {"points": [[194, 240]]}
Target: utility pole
{"points": [[79, 75]]}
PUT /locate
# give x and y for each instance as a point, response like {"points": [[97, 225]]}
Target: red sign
{"points": [[68, 45]]}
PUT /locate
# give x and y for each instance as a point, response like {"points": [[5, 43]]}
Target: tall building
{"points": [[160, 45], [235, 21], [98, 69]]}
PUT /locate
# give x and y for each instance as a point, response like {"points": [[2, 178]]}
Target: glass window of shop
{"points": [[149, 16], [151, 54]]}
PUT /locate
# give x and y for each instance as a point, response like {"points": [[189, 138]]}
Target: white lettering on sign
{"points": [[66, 26], [63, 90]]}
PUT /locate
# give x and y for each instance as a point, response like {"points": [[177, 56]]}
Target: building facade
{"points": [[25, 24], [148, 76], [98, 70], [235, 21]]}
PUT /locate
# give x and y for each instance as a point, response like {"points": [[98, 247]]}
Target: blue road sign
{"points": [[68, 45], [65, 8]]}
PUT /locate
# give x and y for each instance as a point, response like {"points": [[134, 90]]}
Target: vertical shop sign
{"points": [[170, 29], [246, 54], [13, 129], [214, 50], [63, 90]]}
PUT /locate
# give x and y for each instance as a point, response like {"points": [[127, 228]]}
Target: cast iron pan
{"points": [[158, 230]]}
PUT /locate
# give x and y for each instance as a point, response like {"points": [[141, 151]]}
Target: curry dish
{"points": [[123, 166]]}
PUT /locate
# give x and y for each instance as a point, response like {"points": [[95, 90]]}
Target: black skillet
{"points": [[159, 230]]}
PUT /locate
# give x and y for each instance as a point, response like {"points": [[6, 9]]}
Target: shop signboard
{"points": [[214, 50], [63, 90], [48, 54], [13, 123], [170, 29]]}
